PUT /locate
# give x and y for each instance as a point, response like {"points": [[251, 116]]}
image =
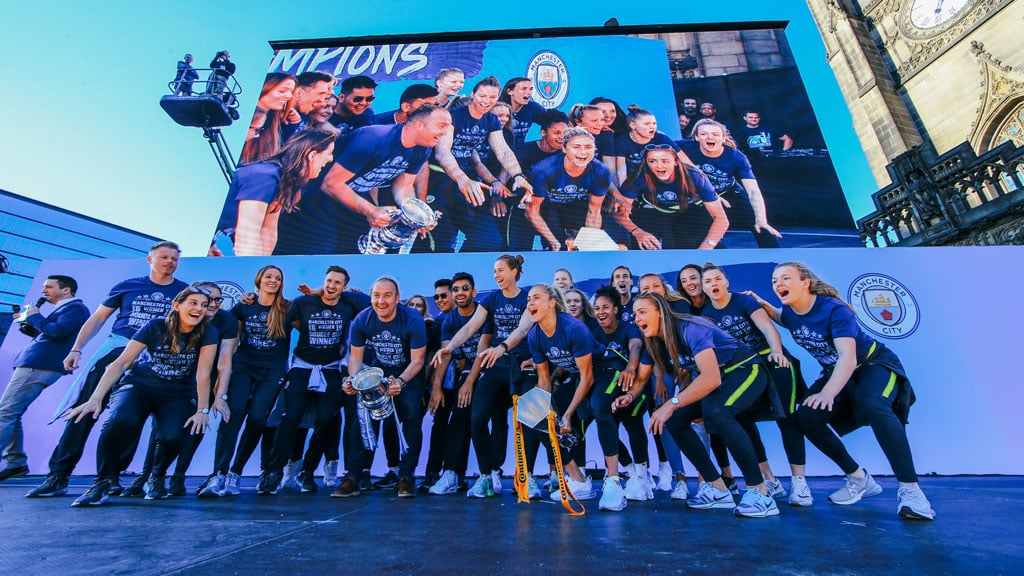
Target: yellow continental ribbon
{"points": [[520, 481], [563, 487]]}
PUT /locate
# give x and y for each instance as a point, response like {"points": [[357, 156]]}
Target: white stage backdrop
{"points": [[945, 311]]}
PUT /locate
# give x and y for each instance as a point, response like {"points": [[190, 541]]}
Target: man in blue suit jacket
{"points": [[40, 364]]}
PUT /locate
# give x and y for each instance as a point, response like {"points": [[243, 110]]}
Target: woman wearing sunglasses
{"points": [[674, 206], [171, 382]]}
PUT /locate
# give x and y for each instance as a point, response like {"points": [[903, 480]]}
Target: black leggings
{"points": [[606, 390], [490, 404], [296, 395], [869, 394], [129, 408], [252, 392]]}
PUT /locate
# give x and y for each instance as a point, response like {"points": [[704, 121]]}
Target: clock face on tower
{"points": [[930, 15]]}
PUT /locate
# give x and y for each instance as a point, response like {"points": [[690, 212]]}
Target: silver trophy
{"points": [[414, 215]]}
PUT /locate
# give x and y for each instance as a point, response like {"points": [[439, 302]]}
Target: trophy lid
{"points": [[367, 378]]}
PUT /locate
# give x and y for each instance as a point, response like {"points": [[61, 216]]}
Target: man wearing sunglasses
{"points": [[135, 301], [353, 108]]}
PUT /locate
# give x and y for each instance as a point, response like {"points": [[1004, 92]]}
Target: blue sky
{"points": [[81, 84]]}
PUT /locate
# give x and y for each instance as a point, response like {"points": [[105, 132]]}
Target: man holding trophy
{"points": [[393, 338]]}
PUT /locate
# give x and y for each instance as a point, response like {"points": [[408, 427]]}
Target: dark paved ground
{"points": [[292, 533]]}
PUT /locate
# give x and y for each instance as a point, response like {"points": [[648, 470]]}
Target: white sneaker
{"points": [[581, 490], [214, 487], [775, 489], [912, 504], [532, 489], [496, 481], [855, 489], [330, 473], [290, 478], [638, 488], [481, 488], [233, 485], [756, 505], [710, 497], [448, 483], [680, 491], [800, 492], [664, 477], [612, 497]]}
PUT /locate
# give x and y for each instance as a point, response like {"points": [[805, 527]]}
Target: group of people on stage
{"points": [[704, 362], [319, 169]]}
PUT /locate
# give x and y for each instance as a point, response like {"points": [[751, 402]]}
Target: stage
{"points": [[376, 533]]}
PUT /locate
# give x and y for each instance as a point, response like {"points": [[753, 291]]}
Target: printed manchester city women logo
{"points": [[550, 79], [884, 306], [231, 292]]}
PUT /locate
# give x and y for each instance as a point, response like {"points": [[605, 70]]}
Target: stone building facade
{"points": [[718, 52], [928, 81]]}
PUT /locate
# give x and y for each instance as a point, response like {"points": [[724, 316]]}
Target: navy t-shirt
{"points": [[469, 133], [255, 346], [724, 172], [529, 154], [735, 318], [829, 318], [698, 334], [760, 138], [139, 300], [385, 118], [347, 124], [258, 181], [605, 142], [570, 340], [667, 195], [161, 369], [552, 183], [616, 345], [627, 148], [389, 345], [626, 311], [376, 156], [503, 316], [454, 322], [526, 117], [323, 329]]}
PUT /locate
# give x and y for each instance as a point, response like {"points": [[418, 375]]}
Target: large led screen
{"points": [[663, 138]]}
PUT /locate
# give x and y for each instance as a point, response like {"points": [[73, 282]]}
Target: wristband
{"points": [[504, 345], [631, 397], [711, 243], [513, 178], [637, 228], [401, 381], [77, 351]]}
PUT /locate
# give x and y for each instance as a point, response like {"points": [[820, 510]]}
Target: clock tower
{"points": [[927, 81]]}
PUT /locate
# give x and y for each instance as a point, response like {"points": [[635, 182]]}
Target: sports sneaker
{"points": [[365, 482], [96, 495], [115, 486], [348, 488], [176, 486], [854, 489], [664, 477], [612, 496], [532, 489], [448, 483], [551, 484], [680, 491], [638, 489], [308, 483], [137, 487], [496, 481], [800, 492], [756, 505], [388, 482], [330, 473], [406, 488], [481, 488], [233, 486], [775, 489], [269, 484], [215, 487], [156, 488], [13, 472], [581, 490], [912, 504], [290, 476], [708, 496], [54, 485]]}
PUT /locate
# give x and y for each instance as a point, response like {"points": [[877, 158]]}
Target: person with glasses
{"points": [[133, 303], [435, 454], [569, 190], [674, 206], [413, 97], [730, 173], [171, 381], [353, 108], [157, 487], [630, 146]]}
